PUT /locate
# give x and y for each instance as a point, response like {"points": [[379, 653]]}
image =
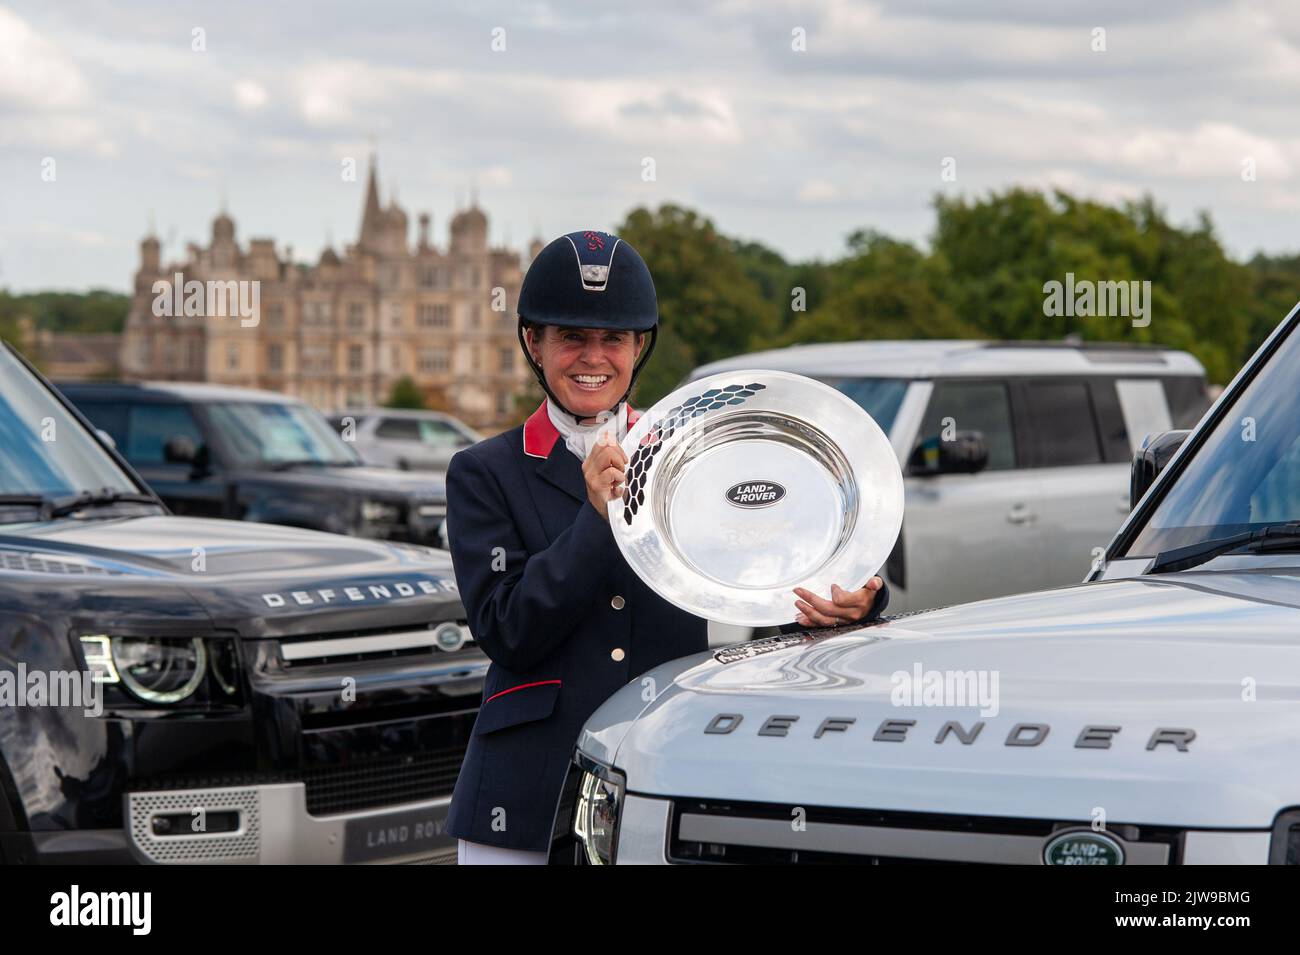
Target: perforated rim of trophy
{"points": [[746, 484]]}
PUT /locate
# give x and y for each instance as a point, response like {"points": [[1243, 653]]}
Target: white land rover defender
{"points": [[1148, 715]]}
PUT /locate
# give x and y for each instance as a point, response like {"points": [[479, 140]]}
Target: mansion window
{"points": [[434, 316], [316, 313], [434, 360], [275, 357], [356, 315], [356, 358], [316, 359]]}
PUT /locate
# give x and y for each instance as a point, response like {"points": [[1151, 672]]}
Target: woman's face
{"points": [[588, 369]]}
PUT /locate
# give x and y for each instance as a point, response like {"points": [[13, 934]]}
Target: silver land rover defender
{"points": [[1148, 715]]}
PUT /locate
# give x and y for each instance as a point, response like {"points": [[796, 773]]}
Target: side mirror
{"points": [[180, 449], [1150, 460], [966, 453]]}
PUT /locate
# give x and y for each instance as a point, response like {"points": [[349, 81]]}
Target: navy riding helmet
{"points": [[589, 280]]}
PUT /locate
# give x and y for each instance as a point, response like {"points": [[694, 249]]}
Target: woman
{"points": [[548, 595]]}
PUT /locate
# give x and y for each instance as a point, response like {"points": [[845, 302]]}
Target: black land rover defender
{"points": [[182, 689], [217, 451]]}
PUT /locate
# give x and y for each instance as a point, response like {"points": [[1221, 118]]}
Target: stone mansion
{"points": [[340, 333]]}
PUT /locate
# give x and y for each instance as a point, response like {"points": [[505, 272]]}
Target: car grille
{"points": [[383, 781], [364, 784], [763, 833], [36, 564], [371, 646]]}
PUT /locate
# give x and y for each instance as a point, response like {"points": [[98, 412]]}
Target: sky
{"points": [[788, 123]]}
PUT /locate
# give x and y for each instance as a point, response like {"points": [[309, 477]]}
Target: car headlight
{"points": [[596, 814], [153, 670], [378, 512], [1285, 846]]}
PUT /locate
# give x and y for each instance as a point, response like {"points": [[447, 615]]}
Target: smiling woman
{"points": [[547, 593], [587, 368]]}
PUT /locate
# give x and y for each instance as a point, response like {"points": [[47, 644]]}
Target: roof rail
{"points": [[1081, 345]]}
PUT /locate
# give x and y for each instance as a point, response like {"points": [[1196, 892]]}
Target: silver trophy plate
{"points": [[744, 485]]}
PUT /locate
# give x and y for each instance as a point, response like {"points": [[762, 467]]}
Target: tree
{"points": [[998, 254], [884, 289], [710, 307], [405, 394]]}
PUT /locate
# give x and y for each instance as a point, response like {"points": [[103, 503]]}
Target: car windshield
{"points": [[1246, 475], [47, 452], [879, 397], [441, 434], [265, 434]]}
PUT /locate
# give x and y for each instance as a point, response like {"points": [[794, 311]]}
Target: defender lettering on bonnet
{"points": [[896, 731], [360, 593]]}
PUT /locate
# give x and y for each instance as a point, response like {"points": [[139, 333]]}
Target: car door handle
{"points": [[1020, 514]]}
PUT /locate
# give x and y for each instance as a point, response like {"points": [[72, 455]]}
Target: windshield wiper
{"points": [[62, 506], [38, 501], [50, 507], [1275, 537]]}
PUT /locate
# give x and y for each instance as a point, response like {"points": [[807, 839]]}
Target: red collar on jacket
{"points": [[540, 434]]}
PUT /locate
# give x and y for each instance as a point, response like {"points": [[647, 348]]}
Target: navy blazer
{"points": [[563, 618]]}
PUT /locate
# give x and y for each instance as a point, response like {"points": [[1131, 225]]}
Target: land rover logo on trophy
{"points": [[1082, 847], [755, 493]]}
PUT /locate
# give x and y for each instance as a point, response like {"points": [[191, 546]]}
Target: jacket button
{"points": [[617, 602], [617, 654]]}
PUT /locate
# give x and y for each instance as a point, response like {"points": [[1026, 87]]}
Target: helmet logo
{"points": [[595, 241]]}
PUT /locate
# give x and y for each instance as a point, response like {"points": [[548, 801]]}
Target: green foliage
{"points": [[999, 252], [76, 312], [985, 275], [710, 304], [1275, 290], [884, 289], [405, 394]]}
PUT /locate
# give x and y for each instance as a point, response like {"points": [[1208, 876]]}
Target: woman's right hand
{"points": [[604, 471]]}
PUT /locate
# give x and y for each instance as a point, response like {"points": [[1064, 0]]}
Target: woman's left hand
{"points": [[845, 606]]}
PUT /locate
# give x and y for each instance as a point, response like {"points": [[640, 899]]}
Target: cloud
{"points": [[817, 190], [34, 73], [793, 149], [341, 92], [250, 95]]}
